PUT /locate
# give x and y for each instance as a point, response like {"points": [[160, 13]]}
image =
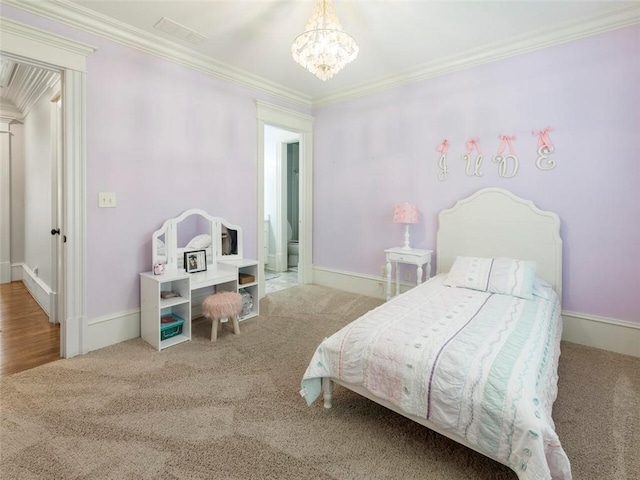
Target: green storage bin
{"points": [[170, 326]]}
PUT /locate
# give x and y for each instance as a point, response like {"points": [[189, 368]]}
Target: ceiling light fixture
{"points": [[324, 48]]}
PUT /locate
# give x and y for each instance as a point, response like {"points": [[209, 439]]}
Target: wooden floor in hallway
{"points": [[27, 338]]}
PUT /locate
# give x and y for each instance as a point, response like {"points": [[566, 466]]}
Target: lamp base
{"points": [[406, 245]]}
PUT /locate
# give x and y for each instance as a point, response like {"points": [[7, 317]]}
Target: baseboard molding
{"points": [[359, 283], [16, 272], [271, 262], [111, 329], [38, 289], [601, 332], [598, 332], [5, 272]]}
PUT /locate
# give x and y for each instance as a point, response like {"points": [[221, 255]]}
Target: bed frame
{"points": [[490, 223]]}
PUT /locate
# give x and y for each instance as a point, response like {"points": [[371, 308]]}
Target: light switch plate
{"points": [[106, 199]]}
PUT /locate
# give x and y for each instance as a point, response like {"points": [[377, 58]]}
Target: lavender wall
{"points": [[165, 139], [379, 150]]}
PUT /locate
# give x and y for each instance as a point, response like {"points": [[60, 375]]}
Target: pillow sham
{"points": [[199, 241], [495, 275], [542, 289]]}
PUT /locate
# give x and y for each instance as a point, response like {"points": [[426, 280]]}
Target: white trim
{"points": [[90, 21], [73, 224], [268, 114], [601, 332], [16, 272], [5, 202], [39, 290], [41, 45], [5, 272], [367, 285], [111, 329], [590, 330]]}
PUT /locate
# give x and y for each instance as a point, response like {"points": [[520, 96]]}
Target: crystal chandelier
{"points": [[324, 48]]}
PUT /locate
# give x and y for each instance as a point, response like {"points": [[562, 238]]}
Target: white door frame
{"points": [[32, 45], [5, 202], [56, 312], [281, 227], [269, 114]]}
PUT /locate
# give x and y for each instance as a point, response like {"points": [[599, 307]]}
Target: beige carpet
{"points": [[231, 410]]}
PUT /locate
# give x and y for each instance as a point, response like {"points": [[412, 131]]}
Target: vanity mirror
{"points": [[195, 230], [230, 241]]}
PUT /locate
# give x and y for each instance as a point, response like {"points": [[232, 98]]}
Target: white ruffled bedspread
{"points": [[481, 366]]}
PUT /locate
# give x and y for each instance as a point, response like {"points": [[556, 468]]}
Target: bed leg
{"points": [[327, 388]]}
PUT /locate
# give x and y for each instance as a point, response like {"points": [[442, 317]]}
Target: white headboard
{"points": [[496, 223]]}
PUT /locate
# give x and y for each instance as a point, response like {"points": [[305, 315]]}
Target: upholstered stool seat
{"points": [[222, 305]]}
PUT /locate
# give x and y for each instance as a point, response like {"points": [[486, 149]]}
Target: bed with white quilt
{"points": [[472, 353]]}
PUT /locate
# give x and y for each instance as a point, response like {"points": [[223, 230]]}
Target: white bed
{"points": [[476, 365]]}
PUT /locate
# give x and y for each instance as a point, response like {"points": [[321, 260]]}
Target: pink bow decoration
{"points": [[443, 147], [543, 139], [471, 144], [506, 141]]}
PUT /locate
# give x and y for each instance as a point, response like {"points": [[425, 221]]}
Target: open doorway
{"points": [[282, 208], [31, 145], [282, 135]]}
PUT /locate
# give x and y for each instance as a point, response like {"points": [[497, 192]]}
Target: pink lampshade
{"points": [[405, 213]]}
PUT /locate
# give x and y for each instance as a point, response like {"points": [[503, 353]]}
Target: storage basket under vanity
{"points": [[247, 302], [170, 326]]}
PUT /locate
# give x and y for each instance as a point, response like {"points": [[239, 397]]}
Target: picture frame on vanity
{"points": [[195, 261]]}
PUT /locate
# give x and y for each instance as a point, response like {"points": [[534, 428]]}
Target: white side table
{"points": [[420, 258]]}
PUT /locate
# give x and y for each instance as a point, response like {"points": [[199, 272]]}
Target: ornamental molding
{"points": [[87, 20]]}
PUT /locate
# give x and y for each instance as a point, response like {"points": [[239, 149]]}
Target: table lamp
{"points": [[406, 213]]}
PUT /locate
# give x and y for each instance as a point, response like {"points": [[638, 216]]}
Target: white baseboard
{"points": [[111, 329], [5, 272], [38, 289], [359, 283], [599, 332], [16, 271], [271, 262]]}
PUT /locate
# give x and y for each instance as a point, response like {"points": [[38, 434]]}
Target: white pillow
{"points": [[496, 275], [199, 242], [542, 289]]}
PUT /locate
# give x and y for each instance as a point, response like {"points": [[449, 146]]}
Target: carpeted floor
{"points": [[231, 410]]}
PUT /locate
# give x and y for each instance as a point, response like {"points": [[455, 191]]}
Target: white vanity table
{"points": [[420, 258], [225, 266]]}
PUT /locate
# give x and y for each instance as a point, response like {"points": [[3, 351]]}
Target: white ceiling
{"points": [[394, 36], [400, 40]]}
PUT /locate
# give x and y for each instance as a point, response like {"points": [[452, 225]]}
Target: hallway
{"points": [[27, 339]]}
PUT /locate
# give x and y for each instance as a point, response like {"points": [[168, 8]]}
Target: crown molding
{"points": [[54, 49], [93, 22], [87, 20], [9, 113], [542, 38]]}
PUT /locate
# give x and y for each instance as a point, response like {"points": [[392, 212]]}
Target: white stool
{"points": [[220, 306]]}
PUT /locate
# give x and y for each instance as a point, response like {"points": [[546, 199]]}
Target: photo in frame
{"points": [[195, 261]]}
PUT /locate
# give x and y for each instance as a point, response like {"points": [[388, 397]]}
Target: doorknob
{"points": [[55, 231]]}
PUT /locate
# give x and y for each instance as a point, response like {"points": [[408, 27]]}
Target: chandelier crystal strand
{"points": [[324, 48]]}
